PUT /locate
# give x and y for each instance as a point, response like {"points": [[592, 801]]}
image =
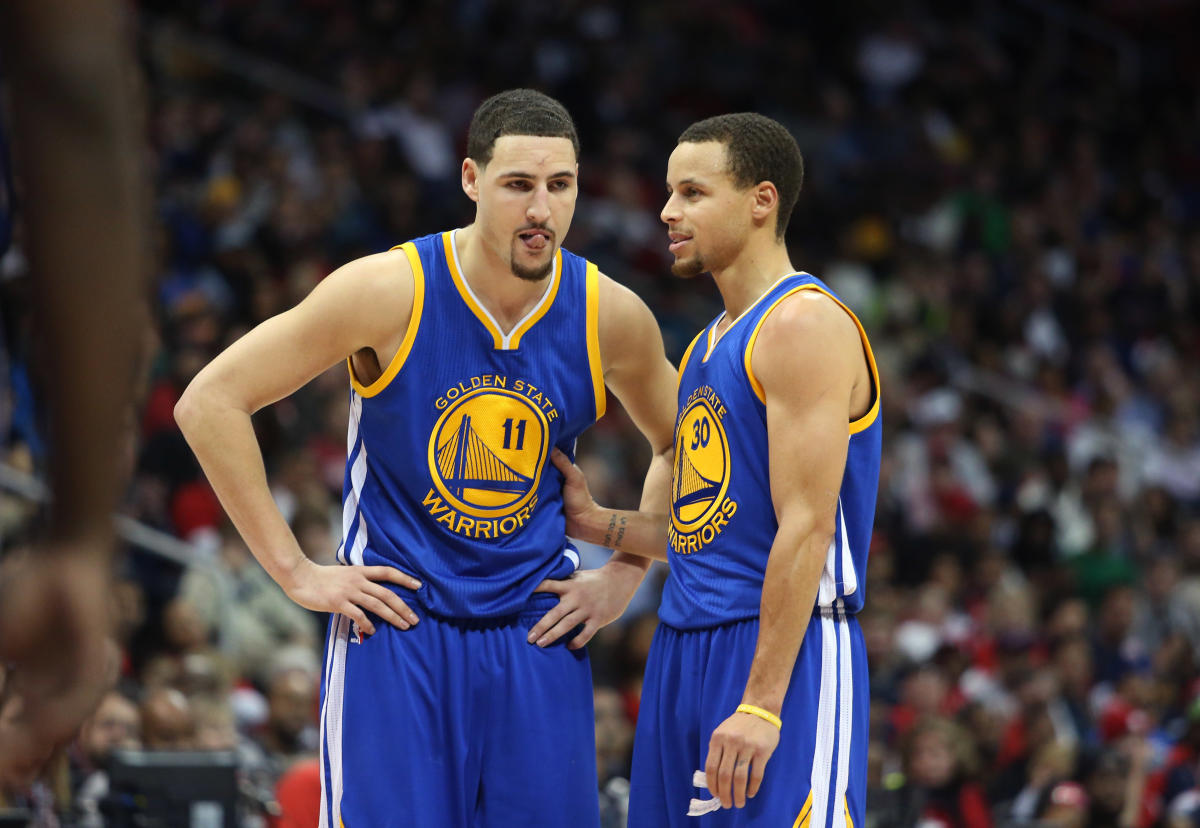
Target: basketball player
{"points": [[755, 694], [472, 354]]}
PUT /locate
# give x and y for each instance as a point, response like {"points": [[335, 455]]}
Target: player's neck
{"points": [[506, 296], [750, 276]]}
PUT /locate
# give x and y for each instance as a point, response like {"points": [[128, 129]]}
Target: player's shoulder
{"points": [[628, 331], [384, 273], [622, 313], [807, 317], [807, 333], [372, 291], [616, 299]]}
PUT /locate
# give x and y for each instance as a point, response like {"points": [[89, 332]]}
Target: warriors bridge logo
{"points": [[486, 455], [699, 508]]}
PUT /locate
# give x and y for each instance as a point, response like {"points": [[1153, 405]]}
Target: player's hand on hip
{"points": [[737, 756], [577, 498], [354, 591], [591, 597]]}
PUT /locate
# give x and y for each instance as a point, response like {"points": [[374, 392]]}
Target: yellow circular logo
{"points": [[486, 452], [701, 475]]}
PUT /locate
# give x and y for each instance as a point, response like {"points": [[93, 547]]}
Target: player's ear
{"points": [[765, 201], [471, 173]]}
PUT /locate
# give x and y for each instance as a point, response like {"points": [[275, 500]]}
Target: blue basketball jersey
{"points": [[722, 518], [447, 472]]}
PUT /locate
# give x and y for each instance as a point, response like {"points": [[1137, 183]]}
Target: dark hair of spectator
{"points": [[759, 149], [517, 112]]}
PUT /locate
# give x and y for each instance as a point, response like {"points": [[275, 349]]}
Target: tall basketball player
{"points": [[472, 355], [754, 706]]}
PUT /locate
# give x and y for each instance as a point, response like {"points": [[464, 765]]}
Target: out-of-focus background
{"points": [[1006, 193]]}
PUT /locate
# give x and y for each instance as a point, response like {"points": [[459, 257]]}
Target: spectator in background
{"points": [[1066, 807], [290, 731], [1114, 783], [168, 722], [115, 724], [614, 749], [237, 601], [940, 763]]}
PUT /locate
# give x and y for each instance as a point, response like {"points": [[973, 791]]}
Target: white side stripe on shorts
{"points": [[351, 516], [331, 725], [822, 766], [845, 719]]}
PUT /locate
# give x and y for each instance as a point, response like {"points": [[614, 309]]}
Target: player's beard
{"points": [[687, 268], [531, 273]]}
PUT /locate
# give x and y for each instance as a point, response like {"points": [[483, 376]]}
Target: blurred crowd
{"points": [[1009, 199]]}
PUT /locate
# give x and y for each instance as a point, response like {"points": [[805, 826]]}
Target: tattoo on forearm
{"points": [[620, 533], [612, 522]]}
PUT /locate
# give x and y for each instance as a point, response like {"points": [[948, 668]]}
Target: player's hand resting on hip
{"points": [[737, 756], [353, 591], [591, 597]]}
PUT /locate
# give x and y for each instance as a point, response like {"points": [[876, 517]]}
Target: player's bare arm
{"points": [[638, 372], [630, 336], [809, 402], [360, 310]]}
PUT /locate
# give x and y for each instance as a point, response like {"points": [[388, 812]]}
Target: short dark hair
{"points": [[518, 112], [759, 149]]}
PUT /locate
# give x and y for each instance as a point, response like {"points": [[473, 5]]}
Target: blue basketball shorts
{"points": [[816, 778], [456, 725]]}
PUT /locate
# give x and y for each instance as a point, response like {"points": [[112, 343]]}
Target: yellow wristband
{"points": [[765, 715]]}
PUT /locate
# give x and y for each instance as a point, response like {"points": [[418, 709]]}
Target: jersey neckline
{"points": [[502, 341]]}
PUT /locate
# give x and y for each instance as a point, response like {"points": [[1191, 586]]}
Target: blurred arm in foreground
{"points": [[77, 125]]}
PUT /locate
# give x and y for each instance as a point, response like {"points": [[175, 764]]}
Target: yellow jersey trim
{"points": [[805, 815], [713, 338], [683, 362], [410, 336], [463, 291], [592, 278], [856, 426], [500, 340]]}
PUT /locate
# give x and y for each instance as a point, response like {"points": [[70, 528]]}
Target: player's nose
{"points": [[538, 208], [669, 213]]}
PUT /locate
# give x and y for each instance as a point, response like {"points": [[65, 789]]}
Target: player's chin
{"points": [[689, 267], [533, 268]]}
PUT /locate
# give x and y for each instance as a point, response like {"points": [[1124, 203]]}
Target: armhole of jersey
{"points": [[414, 322], [686, 355], [855, 426], [592, 280]]}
